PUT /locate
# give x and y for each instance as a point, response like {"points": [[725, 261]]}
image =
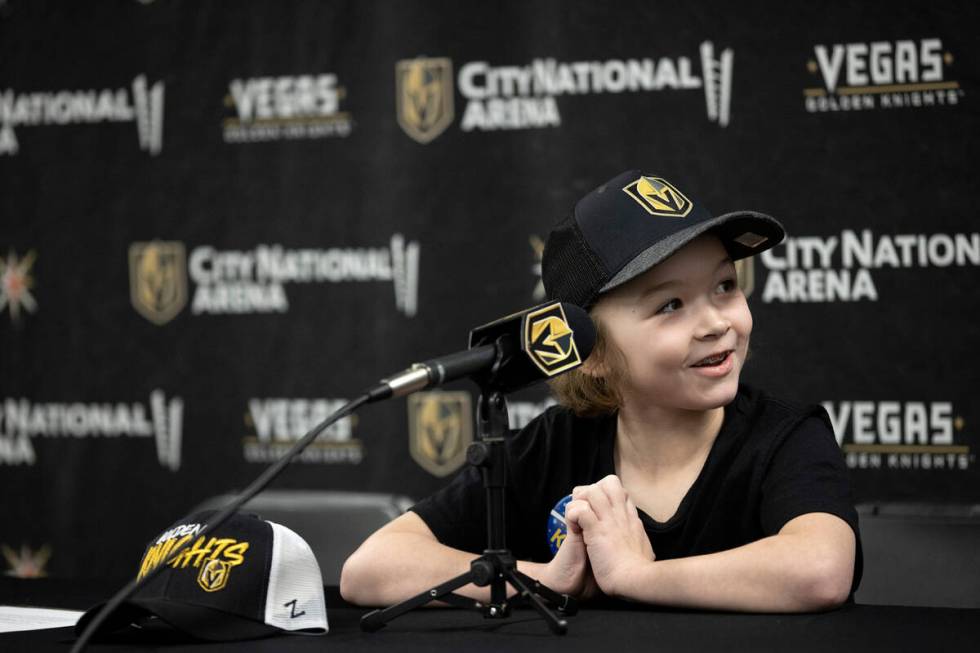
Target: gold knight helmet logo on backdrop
{"points": [[424, 96], [158, 279], [745, 271], [439, 430]]}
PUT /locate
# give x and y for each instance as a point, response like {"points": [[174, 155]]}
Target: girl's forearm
{"points": [[781, 573]]}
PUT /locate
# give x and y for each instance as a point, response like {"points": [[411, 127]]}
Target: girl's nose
{"points": [[713, 324]]}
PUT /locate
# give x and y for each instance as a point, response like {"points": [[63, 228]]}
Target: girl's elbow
{"points": [[354, 580], [827, 588]]}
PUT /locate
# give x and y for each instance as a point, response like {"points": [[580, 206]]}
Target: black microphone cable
{"points": [[249, 492]]}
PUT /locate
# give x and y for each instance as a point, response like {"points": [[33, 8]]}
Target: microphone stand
{"points": [[497, 566]]}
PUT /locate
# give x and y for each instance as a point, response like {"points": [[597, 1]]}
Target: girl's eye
{"points": [[670, 306], [726, 286]]}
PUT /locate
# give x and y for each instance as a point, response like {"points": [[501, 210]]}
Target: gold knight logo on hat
{"points": [[214, 575], [549, 341], [424, 96], [659, 197]]}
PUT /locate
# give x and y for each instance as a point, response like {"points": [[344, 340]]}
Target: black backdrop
{"points": [[219, 219]]}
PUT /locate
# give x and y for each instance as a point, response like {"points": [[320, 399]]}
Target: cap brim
{"points": [[199, 621], [743, 233]]}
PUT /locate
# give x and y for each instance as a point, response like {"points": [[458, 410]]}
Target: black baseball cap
{"points": [[629, 224], [249, 578]]}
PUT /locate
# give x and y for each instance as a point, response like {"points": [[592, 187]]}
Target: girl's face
{"points": [[683, 328]]}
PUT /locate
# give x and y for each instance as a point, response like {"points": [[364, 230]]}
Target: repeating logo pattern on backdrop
{"points": [[275, 424], [440, 428], [839, 268], [141, 103], [881, 75], [526, 96], [424, 97], [23, 422], [917, 268], [901, 435], [254, 281], [158, 279], [288, 107]]}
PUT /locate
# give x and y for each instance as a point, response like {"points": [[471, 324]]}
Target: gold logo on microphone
{"points": [[659, 197], [549, 341]]}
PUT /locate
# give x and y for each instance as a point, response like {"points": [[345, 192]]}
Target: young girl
{"points": [[688, 489]]}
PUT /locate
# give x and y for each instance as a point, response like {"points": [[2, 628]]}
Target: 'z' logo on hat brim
{"points": [[659, 197], [549, 341]]}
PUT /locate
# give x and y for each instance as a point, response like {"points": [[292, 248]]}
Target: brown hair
{"points": [[592, 394]]}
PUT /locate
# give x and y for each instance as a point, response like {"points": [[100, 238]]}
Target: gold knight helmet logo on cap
{"points": [[659, 197], [157, 279], [439, 430], [424, 96], [549, 341], [214, 575]]}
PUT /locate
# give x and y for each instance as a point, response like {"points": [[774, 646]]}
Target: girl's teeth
{"points": [[713, 360]]}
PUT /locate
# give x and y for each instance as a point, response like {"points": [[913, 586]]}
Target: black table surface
{"points": [[607, 629]]}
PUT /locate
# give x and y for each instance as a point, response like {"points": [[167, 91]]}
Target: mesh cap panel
{"points": [[570, 270]]}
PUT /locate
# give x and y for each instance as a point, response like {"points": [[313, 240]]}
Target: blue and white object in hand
{"points": [[557, 530]]}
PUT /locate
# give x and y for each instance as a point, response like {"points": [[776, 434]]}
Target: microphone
{"points": [[507, 354]]}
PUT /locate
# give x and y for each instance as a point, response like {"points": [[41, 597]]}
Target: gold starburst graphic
{"points": [[16, 284], [26, 563]]}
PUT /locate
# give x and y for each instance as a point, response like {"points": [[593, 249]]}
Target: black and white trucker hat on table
{"points": [[629, 224], [250, 578]]}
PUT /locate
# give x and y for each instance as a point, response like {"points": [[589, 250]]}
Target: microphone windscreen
{"points": [[582, 327]]}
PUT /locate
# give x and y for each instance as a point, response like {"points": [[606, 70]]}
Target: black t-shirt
{"points": [[771, 462]]}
